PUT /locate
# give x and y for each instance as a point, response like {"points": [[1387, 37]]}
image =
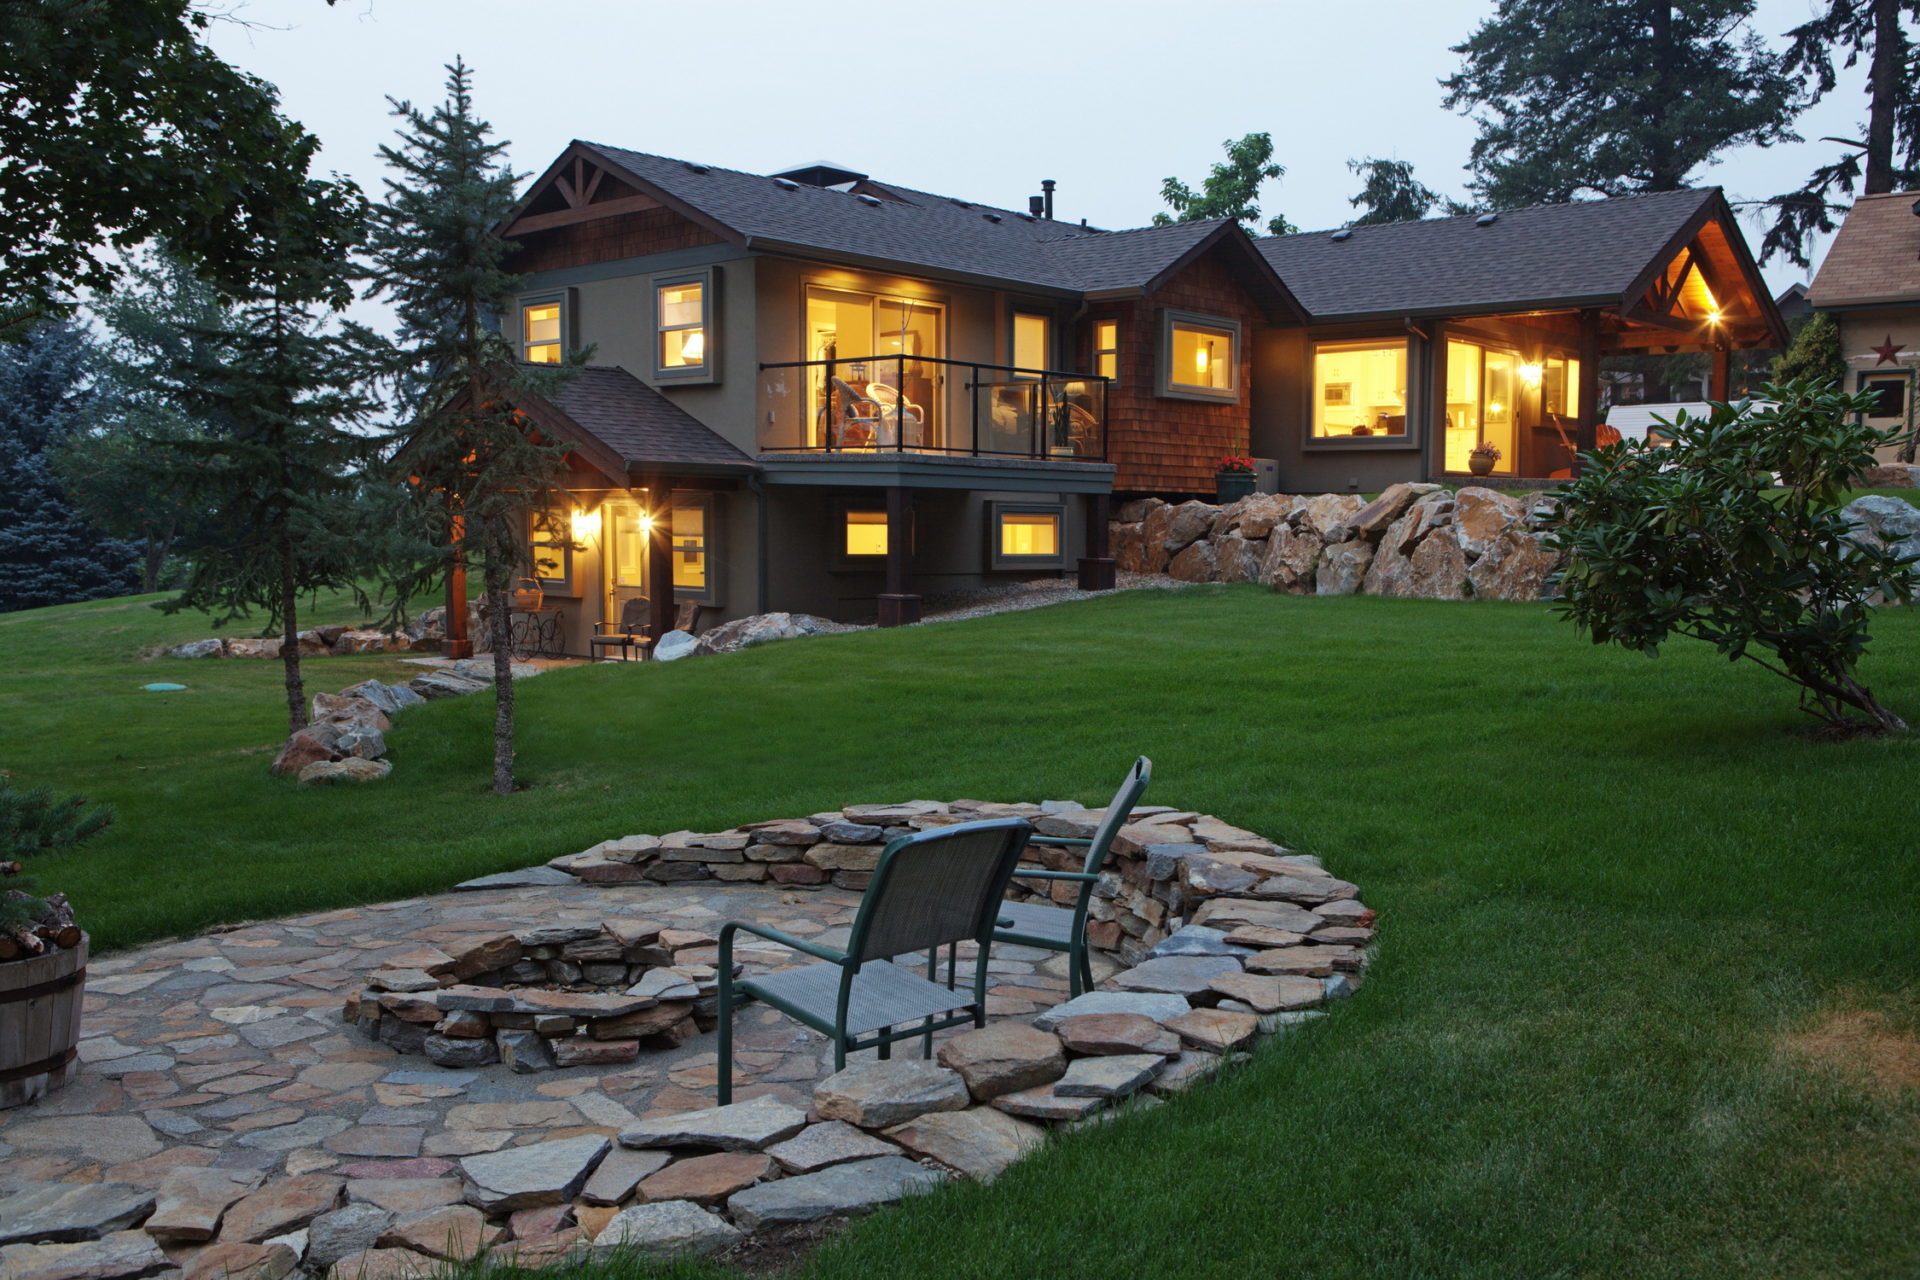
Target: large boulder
{"points": [[1480, 515], [1128, 545], [1176, 528], [1893, 523], [1195, 563], [349, 711], [1342, 568], [352, 769], [199, 649], [1137, 510], [761, 628], [1372, 519], [1890, 476], [1255, 515], [1393, 559], [1438, 568], [1291, 556], [370, 641], [314, 744], [1518, 566], [675, 645], [1237, 559], [444, 684], [253, 647], [1324, 511]]}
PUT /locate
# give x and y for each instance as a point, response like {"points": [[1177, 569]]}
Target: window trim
{"points": [[560, 538], [562, 298], [1164, 385], [1417, 411], [999, 560], [708, 370], [705, 501]]}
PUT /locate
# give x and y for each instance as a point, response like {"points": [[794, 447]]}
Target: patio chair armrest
{"points": [[1024, 874], [772, 935], [1059, 840]]}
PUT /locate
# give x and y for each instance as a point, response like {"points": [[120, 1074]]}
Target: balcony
{"points": [[924, 405]]}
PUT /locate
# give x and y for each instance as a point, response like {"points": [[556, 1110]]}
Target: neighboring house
{"points": [[1870, 283], [817, 391]]}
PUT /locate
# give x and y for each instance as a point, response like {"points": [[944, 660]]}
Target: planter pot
{"points": [[40, 1002], [1480, 464], [1230, 486]]}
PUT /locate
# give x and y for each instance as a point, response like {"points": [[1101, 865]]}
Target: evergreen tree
{"points": [[1884, 32], [1815, 354], [277, 472], [49, 553], [1232, 190], [1391, 193], [477, 472], [157, 321], [1611, 97]]}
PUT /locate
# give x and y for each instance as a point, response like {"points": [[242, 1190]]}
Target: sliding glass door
{"points": [[1482, 390], [885, 347]]}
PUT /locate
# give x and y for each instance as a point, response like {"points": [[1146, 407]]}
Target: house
{"points": [[1870, 283], [819, 391]]}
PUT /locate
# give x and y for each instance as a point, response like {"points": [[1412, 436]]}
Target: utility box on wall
{"points": [[1266, 475]]}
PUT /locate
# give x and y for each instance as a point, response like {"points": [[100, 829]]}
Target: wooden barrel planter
{"points": [[40, 1001]]}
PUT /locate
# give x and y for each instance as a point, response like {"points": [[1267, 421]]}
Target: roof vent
{"points": [[1344, 233], [991, 217], [694, 167], [821, 173], [872, 200], [1485, 219], [1031, 217], [786, 184], [1916, 208], [956, 200]]}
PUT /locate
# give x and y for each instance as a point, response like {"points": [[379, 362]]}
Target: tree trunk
{"points": [[290, 643], [1660, 174], [500, 625], [1883, 86], [150, 566]]}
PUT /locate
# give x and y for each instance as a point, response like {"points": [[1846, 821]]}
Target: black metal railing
{"points": [[921, 404]]}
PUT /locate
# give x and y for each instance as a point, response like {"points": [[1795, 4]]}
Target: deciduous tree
{"points": [[1232, 190]]}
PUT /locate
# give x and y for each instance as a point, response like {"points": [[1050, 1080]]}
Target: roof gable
{"points": [[1875, 257], [620, 424]]}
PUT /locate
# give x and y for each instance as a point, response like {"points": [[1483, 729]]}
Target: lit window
{"points": [[1199, 358], [540, 333], [1560, 386], [1106, 348], [1029, 535], [683, 326], [1032, 340], [551, 550], [866, 533], [1024, 536], [689, 548], [1359, 389]]}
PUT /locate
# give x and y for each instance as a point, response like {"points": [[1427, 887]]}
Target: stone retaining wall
{"points": [[1413, 541]]}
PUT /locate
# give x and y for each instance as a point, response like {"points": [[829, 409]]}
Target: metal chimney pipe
{"points": [[1035, 206], [1046, 187]]}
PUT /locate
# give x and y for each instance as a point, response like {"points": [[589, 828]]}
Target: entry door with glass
{"points": [[626, 530], [1481, 385], [883, 378]]}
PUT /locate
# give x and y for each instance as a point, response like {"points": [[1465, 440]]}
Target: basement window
{"points": [[1024, 535]]}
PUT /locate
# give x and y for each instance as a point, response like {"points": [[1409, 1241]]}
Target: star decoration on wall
{"points": [[1887, 350]]}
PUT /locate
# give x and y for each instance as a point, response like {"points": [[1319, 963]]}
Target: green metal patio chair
{"points": [[931, 889], [1033, 924]]}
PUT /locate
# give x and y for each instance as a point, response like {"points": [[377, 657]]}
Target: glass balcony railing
{"points": [[918, 404]]}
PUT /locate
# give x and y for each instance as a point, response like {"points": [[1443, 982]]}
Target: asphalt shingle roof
{"points": [[1876, 255], [639, 423], [1589, 250]]}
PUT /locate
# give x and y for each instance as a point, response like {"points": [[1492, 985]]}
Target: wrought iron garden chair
{"points": [[630, 633], [931, 889], [1033, 924]]}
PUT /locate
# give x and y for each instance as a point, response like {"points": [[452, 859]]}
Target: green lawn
{"points": [[1610, 891]]}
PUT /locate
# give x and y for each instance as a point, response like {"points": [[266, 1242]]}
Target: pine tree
{"points": [[1232, 190], [1391, 193], [157, 321], [1884, 32], [477, 472], [49, 552], [278, 472], [1611, 97]]}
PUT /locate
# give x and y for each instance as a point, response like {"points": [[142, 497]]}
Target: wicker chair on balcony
{"points": [[930, 890], [901, 420], [1064, 928]]}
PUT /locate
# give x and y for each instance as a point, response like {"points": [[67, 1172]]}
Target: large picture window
{"points": [[683, 315], [1359, 390], [1199, 357]]}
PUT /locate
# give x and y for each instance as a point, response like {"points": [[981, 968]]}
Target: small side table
{"points": [[537, 632]]}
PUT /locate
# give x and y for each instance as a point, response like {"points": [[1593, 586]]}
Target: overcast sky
{"points": [[981, 99]]}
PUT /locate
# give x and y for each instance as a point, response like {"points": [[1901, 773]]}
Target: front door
{"points": [[625, 577]]}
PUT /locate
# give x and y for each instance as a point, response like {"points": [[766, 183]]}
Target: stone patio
{"points": [[227, 1118]]}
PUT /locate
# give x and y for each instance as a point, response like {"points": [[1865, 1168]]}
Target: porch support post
{"points": [[458, 643], [1096, 567], [1587, 427], [898, 604], [1721, 385], [659, 559]]}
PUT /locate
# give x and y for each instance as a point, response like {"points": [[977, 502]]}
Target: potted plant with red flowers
{"points": [[43, 952], [1233, 478]]}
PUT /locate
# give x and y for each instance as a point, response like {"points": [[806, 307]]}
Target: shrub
{"points": [[35, 822], [1694, 540]]}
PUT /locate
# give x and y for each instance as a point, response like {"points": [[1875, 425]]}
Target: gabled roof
{"points": [[1875, 258], [621, 425], [893, 226], [1590, 253]]}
